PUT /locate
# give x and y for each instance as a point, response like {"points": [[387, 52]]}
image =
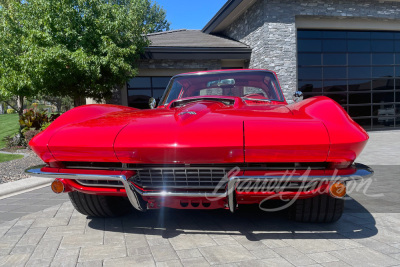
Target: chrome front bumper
{"points": [[134, 193]]}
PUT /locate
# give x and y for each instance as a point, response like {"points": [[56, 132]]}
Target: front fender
{"points": [[40, 142], [347, 138]]}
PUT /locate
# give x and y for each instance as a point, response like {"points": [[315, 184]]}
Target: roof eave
{"points": [[221, 15], [179, 53]]}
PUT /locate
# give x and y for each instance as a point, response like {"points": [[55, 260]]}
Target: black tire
{"points": [[319, 209], [100, 206]]}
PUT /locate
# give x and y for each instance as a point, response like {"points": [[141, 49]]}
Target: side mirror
{"points": [[298, 96], [152, 103]]}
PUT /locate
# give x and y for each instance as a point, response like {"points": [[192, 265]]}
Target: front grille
{"points": [[184, 178], [100, 183]]}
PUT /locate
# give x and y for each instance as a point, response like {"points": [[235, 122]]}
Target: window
{"points": [[141, 89], [358, 69]]}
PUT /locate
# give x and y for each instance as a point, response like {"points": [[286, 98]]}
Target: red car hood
{"points": [[199, 132]]}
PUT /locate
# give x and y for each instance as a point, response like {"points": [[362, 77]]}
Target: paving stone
{"points": [[5, 226], [226, 241], [98, 263], [68, 230], [378, 246], [157, 241], [195, 262], [396, 256], [38, 262], [189, 253], [72, 241], [14, 260], [312, 245], [139, 261], [138, 251], [321, 257], [46, 248], [249, 244], [9, 240], [31, 238], [274, 243], [335, 264], [294, 256], [163, 253], [226, 254], [264, 253], [364, 257], [77, 220], [112, 238], [5, 251], [90, 253], [171, 263], [66, 257], [23, 249], [342, 241], [184, 241], [135, 240], [278, 262], [49, 222]]}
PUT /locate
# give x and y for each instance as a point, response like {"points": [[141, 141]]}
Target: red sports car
{"points": [[217, 140]]}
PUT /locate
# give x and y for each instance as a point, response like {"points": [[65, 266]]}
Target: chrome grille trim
{"points": [[276, 186], [101, 183], [179, 178]]}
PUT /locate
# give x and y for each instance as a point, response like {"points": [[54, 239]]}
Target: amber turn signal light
{"points": [[57, 186], [337, 190]]}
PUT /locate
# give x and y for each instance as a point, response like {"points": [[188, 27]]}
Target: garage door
{"points": [[358, 69]]}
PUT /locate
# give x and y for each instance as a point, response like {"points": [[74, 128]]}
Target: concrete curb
{"points": [[12, 153], [22, 186]]}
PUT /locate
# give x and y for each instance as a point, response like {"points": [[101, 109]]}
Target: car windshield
{"points": [[249, 85]]}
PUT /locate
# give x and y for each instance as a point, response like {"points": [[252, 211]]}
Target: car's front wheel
{"points": [[319, 209], [99, 206]]}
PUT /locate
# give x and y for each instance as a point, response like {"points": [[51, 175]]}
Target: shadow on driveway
{"points": [[248, 221]]}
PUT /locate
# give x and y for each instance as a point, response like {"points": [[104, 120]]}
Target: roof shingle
{"points": [[191, 38]]}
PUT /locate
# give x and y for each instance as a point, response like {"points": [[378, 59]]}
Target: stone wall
{"points": [[269, 28]]}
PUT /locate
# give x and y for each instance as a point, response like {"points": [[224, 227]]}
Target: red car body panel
{"points": [[163, 136], [218, 134], [314, 130]]}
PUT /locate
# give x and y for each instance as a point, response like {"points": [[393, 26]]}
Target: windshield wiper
{"points": [[256, 99]]}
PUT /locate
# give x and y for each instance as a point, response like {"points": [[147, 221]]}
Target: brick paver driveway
{"points": [[55, 234]]}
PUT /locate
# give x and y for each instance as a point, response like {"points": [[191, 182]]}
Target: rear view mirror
{"points": [[221, 83]]}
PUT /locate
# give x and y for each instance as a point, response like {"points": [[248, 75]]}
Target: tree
{"points": [[75, 48]]}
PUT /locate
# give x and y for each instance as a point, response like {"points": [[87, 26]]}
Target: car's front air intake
{"points": [[184, 178]]}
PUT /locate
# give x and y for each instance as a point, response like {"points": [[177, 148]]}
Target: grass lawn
{"points": [[8, 157], [8, 126]]}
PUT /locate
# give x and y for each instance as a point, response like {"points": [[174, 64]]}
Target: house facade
{"points": [[346, 50]]}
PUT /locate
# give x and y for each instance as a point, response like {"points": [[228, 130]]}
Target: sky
{"points": [[190, 14]]}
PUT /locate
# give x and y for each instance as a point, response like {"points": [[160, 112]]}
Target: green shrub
{"points": [[33, 119], [10, 111], [29, 134], [45, 125], [14, 141]]}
